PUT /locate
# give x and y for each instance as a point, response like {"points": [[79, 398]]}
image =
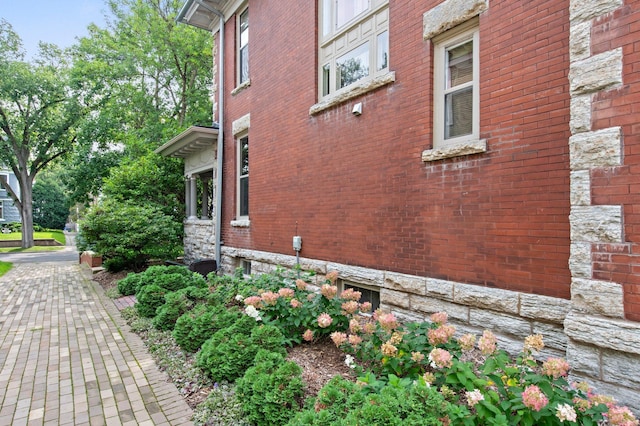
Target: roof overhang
{"points": [[200, 13], [189, 142]]}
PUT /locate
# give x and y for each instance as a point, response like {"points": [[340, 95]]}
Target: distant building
{"points": [[9, 213]]}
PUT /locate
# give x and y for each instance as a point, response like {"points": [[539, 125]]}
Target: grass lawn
{"points": [[57, 235], [4, 267]]}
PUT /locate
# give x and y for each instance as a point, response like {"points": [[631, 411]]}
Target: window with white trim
{"points": [[1, 210], [353, 42], [243, 177], [243, 47], [456, 86]]}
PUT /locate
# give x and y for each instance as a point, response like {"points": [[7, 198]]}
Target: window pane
{"points": [[353, 66], [244, 196], [244, 64], [460, 64], [326, 17], [244, 28], [382, 60], [326, 72], [458, 113], [346, 10], [244, 156]]}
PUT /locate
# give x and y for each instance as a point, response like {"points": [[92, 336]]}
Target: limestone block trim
{"points": [[580, 109], [580, 188], [580, 41], [601, 332], [450, 13], [597, 297], [241, 87], [240, 125], [585, 10], [595, 73], [596, 224], [357, 89], [454, 150], [580, 260], [601, 148]]}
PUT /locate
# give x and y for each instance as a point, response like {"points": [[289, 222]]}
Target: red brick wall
{"points": [[620, 263], [356, 189]]}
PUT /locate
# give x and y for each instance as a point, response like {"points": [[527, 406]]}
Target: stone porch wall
{"points": [[199, 240]]}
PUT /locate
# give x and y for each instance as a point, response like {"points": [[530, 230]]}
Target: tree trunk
{"points": [[26, 212]]}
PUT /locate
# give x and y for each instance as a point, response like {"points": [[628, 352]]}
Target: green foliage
{"points": [[271, 389], [193, 328], [230, 351], [128, 235], [396, 402], [5, 267], [177, 303], [221, 408], [50, 205], [170, 277], [149, 299], [130, 284]]}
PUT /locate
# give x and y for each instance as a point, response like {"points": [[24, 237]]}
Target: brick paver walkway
{"points": [[67, 357]]}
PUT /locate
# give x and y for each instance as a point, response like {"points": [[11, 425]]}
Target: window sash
{"points": [[243, 176], [243, 47]]}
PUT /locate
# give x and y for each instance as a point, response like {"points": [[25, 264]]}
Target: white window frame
{"points": [[240, 46], [336, 42], [1, 210], [240, 176], [442, 43]]}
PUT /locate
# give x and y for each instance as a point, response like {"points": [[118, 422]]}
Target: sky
{"points": [[52, 21]]}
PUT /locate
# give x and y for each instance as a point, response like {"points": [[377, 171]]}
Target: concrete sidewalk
{"points": [[67, 357]]}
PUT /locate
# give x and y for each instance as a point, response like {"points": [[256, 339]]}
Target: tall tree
{"points": [[40, 106], [159, 78], [50, 205]]}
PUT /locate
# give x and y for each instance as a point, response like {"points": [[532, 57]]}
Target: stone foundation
{"points": [[199, 240]]}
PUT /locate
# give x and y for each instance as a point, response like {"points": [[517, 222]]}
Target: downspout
{"points": [[220, 151]]}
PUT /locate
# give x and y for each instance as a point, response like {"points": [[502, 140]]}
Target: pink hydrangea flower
{"points": [[387, 321], [329, 291], [324, 320], [388, 349], [350, 307], [621, 416], [440, 358], [369, 328], [354, 325], [307, 336], [474, 397], [301, 285], [338, 338], [295, 303], [555, 367], [255, 301], [332, 276], [351, 294], [534, 398], [355, 340], [566, 413], [286, 292], [365, 307], [439, 318], [487, 343], [417, 357], [467, 342], [441, 334], [270, 298]]}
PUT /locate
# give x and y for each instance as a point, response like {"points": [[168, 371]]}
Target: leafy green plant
{"points": [[271, 389], [130, 284], [177, 303], [194, 327], [221, 408], [149, 298], [230, 351]]}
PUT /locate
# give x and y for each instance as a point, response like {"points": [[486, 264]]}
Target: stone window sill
{"points": [[241, 223], [241, 87], [455, 150]]}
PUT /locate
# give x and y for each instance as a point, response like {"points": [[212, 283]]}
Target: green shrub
{"points": [[193, 328], [270, 391], [221, 408], [149, 298], [128, 235], [230, 351], [177, 303], [130, 284], [400, 402]]}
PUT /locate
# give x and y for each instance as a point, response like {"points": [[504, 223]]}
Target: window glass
{"points": [[244, 46], [346, 10], [244, 177], [458, 113], [460, 64], [1, 209], [353, 66], [326, 74], [383, 51]]}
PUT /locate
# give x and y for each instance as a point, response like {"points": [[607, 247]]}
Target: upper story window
{"points": [[456, 87], [1, 209], [243, 47], [354, 42], [243, 176], [3, 191]]}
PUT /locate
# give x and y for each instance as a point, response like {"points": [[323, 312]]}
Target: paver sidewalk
{"points": [[67, 357]]}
